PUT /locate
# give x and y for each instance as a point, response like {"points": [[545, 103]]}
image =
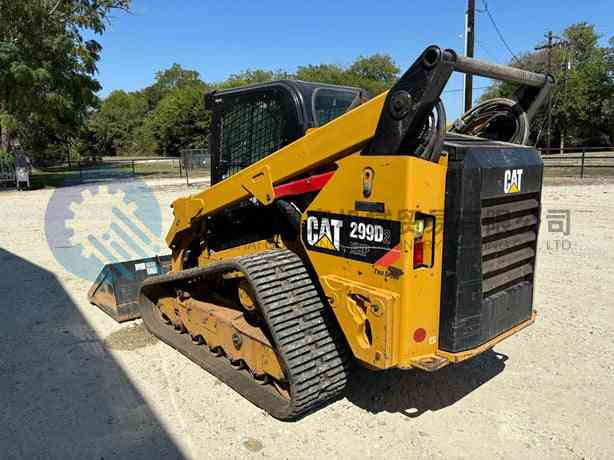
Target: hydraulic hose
{"points": [[436, 131], [498, 119]]}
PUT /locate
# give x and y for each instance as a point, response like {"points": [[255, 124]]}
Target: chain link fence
{"points": [[195, 163], [108, 170]]}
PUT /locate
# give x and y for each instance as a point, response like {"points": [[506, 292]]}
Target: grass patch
{"points": [[52, 177], [156, 169], [62, 175]]}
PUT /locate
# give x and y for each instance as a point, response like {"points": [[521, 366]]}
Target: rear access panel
{"points": [[493, 195]]}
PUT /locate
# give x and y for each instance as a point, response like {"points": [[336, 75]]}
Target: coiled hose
{"points": [[498, 119]]}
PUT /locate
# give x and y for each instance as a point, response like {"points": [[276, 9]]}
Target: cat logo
{"points": [[512, 181], [324, 233]]}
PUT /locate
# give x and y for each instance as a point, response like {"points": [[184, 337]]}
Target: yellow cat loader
{"points": [[340, 229]]}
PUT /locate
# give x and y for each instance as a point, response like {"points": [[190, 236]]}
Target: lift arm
{"points": [[387, 124], [338, 138]]}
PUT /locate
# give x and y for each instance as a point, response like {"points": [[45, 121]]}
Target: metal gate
{"points": [[7, 172], [195, 163]]}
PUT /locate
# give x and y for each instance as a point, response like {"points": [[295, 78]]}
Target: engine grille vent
{"points": [[509, 241]]}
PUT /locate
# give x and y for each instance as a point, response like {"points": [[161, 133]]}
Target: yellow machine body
{"points": [[407, 299], [340, 228], [397, 299]]}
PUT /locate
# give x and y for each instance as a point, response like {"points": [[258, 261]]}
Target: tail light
{"points": [[418, 253], [424, 239]]}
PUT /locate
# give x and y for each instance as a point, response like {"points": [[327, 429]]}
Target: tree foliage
{"points": [[374, 73], [169, 80], [583, 97], [249, 77], [179, 121], [161, 119], [117, 120], [169, 115], [47, 67], [48, 93]]}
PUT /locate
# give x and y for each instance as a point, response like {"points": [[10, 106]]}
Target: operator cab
{"points": [[251, 122]]}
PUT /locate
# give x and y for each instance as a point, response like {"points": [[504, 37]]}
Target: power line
{"points": [[494, 24]]}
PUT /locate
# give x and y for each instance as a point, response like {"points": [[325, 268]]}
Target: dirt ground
{"points": [[74, 384]]}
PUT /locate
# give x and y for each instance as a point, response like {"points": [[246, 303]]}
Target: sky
{"points": [[219, 38]]}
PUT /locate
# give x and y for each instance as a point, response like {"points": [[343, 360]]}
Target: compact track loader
{"points": [[342, 229]]}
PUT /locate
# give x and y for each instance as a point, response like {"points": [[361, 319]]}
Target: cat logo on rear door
{"points": [[324, 232], [349, 236], [512, 180]]}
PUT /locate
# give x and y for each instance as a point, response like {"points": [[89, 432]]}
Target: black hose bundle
{"points": [[498, 119], [432, 135]]}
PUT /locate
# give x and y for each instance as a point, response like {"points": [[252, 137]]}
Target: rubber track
{"points": [[305, 334]]}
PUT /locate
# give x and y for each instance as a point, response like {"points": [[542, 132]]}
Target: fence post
{"points": [[582, 165], [80, 172], [133, 169]]}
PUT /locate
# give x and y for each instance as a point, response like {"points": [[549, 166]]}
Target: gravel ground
{"points": [[74, 384]]}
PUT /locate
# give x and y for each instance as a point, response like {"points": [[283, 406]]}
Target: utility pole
{"points": [[566, 69], [550, 44], [469, 51], [549, 47]]}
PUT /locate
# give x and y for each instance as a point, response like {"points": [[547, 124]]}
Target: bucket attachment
{"points": [[116, 289]]}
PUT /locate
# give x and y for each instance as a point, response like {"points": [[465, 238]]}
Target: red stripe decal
{"points": [[390, 257], [298, 187]]}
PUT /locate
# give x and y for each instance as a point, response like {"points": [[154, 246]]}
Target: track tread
{"points": [[295, 313], [306, 336]]}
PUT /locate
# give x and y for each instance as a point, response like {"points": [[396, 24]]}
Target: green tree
{"points": [[375, 73], [583, 97], [179, 121], [126, 122], [115, 124], [249, 77], [47, 67], [323, 73], [586, 89], [170, 115], [168, 80]]}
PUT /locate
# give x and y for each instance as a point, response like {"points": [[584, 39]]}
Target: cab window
{"points": [[330, 103]]}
